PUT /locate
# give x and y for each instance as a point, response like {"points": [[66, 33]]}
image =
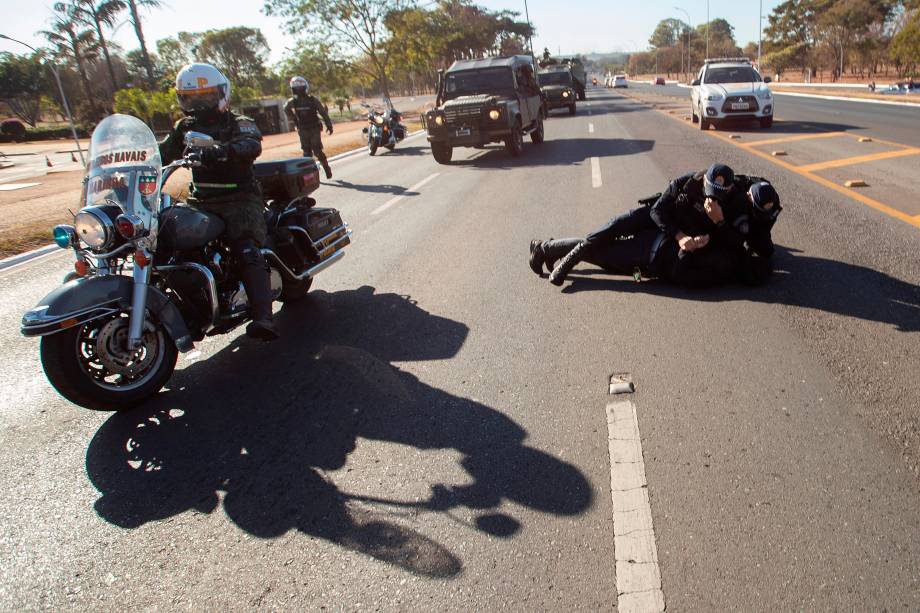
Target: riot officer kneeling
{"points": [[224, 185]]}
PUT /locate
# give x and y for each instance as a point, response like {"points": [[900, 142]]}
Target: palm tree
{"points": [[88, 13], [71, 43], [133, 6]]}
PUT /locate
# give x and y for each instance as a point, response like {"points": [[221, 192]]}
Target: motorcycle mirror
{"points": [[198, 140]]}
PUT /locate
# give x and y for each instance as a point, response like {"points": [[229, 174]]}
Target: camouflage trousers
{"points": [[311, 142], [241, 211]]}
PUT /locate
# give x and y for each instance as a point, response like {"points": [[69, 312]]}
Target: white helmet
{"points": [[299, 83], [201, 88]]}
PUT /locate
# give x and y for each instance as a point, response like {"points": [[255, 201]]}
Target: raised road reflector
{"points": [[734, 136], [621, 383], [865, 139], [778, 153], [856, 183]]}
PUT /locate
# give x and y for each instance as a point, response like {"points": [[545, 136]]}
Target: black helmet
{"points": [[718, 181], [764, 201]]}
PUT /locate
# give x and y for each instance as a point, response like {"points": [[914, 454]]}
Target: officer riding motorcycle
{"points": [[309, 114], [224, 184]]}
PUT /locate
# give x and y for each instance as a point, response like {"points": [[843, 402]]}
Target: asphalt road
{"points": [[430, 433]]}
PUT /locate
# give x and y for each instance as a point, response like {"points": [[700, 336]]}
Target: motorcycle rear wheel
{"points": [[292, 291], [88, 366]]}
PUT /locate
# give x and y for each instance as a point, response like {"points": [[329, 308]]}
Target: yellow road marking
{"points": [[789, 139], [913, 220], [859, 159]]}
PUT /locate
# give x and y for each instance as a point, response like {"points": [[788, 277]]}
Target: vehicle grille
{"points": [[751, 100], [461, 114]]}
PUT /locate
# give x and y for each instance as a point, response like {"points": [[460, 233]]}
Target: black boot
{"points": [[536, 257], [257, 282], [565, 266], [325, 163], [555, 249]]}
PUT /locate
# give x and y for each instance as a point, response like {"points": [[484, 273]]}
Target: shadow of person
{"points": [[558, 152], [377, 188], [255, 428], [798, 280]]}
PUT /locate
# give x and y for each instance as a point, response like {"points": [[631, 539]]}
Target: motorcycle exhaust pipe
{"points": [[310, 272]]}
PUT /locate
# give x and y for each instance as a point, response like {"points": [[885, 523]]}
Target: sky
{"points": [[572, 26]]}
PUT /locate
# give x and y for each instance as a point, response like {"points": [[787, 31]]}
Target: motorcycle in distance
{"points": [[152, 277], [384, 128]]}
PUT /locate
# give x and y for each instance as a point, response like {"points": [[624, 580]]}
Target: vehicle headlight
{"points": [[713, 97], [92, 229], [378, 119], [565, 94], [494, 114], [766, 95], [439, 120]]}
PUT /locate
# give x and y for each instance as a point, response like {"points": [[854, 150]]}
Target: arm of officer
{"points": [[664, 213], [324, 112], [246, 143], [172, 147], [760, 240], [289, 111]]}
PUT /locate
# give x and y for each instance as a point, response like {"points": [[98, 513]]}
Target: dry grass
{"points": [[25, 238]]}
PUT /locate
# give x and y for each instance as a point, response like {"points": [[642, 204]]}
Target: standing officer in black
{"points": [[306, 111], [224, 185]]}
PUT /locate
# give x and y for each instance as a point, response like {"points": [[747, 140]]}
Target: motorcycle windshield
{"points": [[125, 168]]}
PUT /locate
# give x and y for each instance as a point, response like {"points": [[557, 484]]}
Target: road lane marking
{"points": [[596, 173], [392, 201], [859, 159], [590, 128], [635, 552], [789, 139], [8, 187]]}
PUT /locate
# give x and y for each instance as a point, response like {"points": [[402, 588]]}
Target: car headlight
{"points": [[713, 97], [766, 95], [94, 228], [565, 94], [378, 119], [494, 114], [439, 120]]}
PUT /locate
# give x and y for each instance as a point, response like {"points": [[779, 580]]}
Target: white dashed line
{"points": [[392, 201], [638, 575], [596, 173], [590, 128]]}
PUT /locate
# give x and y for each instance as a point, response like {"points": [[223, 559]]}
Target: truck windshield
{"points": [[554, 78], [481, 81], [732, 74]]}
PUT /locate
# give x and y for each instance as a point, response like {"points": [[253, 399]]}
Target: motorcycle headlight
{"points": [[439, 120], [565, 94], [94, 228], [494, 114], [378, 119]]}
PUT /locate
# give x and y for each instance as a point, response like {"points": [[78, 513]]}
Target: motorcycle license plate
{"points": [[463, 131], [740, 106]]}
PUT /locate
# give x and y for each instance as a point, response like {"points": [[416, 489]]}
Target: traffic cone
{"points": [[48, 162], [73, 158]]}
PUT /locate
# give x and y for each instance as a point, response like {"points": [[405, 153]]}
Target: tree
{"points": [[905, 47], [349, 25], [146, 105], [174, 53], [240, 53], [23, 82], [91, 14], [319, 65], [667, 33], [73, 44], [133, 7]]}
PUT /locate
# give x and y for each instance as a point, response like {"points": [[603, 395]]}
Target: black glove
{"points": [[329, 130], [213, 154]]}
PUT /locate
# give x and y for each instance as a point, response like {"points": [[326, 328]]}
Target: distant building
{"points": [[268, 114]]}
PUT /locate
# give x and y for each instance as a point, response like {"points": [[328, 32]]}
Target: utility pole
{"points": [[760, 36], [707, 27], [688, 40], [529, 34], [57, 77]]}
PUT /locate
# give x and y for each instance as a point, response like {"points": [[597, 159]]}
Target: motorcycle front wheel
{"points": [[372, 146], [91, 366]]}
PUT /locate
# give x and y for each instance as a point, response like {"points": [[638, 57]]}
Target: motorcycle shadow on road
{"points": [[798, 280], [258, 427], [558, 152]]}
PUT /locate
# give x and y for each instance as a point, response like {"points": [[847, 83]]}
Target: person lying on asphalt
{"points": [[687, 237]]}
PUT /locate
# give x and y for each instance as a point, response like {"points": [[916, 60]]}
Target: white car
{"points": [[620, 80], [730, 89]]}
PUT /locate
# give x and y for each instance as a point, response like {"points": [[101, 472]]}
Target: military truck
{"points": [[558, 87], [579, 74], [489, 100]]}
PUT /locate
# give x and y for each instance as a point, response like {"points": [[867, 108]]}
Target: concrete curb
{"points": [[22, 258], [850, 99]]}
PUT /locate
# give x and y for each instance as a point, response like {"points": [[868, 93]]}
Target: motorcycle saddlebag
{"points": [[287, 179], [324, 226]]}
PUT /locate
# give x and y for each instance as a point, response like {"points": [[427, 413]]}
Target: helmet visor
{"points": [[202, 99]]}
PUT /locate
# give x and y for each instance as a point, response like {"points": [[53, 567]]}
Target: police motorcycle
{"points": [[152, 277], [384, 128]]}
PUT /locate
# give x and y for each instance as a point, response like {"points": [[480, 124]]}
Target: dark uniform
{"points": [[643, 240], [226, 188], [309, 115]]}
